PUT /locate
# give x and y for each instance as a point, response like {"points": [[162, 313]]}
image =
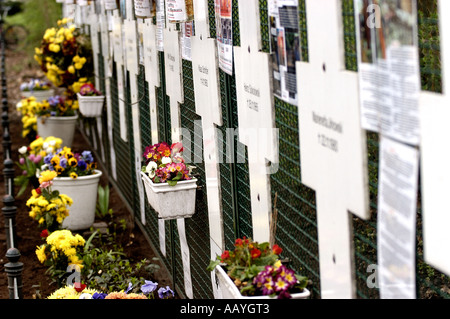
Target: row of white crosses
{"points": [[325, 88]]}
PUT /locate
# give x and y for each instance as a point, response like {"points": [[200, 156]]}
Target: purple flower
{"points": [[22, 160], [63, 162], [48, 158], [82, 165], [99, 295], [87, 156], [130, 286], [165, 293], [37, 159], [149, 287]]}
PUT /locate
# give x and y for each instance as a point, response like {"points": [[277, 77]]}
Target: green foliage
{"points": [[107, 268], [102, 209]]}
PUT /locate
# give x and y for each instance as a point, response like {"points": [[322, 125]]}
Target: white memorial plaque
{"points": [[435, 156], [396, 229], [332, 145]]}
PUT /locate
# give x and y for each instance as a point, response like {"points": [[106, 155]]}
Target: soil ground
{"points": [[36, 284]]}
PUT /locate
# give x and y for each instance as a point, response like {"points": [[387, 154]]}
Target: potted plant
{"points": [[31, 159], [57, 116], [90, 100], [78, 177], [254, 270], [61, 249], [168, 183], [40, 89]]}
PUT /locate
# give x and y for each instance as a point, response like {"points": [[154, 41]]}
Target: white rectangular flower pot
{"points": [[40, 95], [83, 192], [90, 106], [171, 202], [58, 126], [228, 290]]}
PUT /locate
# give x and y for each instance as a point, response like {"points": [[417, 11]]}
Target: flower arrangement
{"points": [[28, 107], [80, 291], [65, 54], [66, 163], [61, 249], [57, 106], [35, 85], [164, 163], [257, 270], [31, 159], [88, 89], [48, 207]]}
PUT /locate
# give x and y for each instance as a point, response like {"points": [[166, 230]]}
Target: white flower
{"points": [[49, 150], [45, 145], [23, 150], [166, 160], [52, 143], [151, 169], [85, 296]]}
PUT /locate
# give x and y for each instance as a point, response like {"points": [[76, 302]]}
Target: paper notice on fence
{"points": [[396, 231], [160, 24], [224, 34], [285, 47], [388, 68], [187, 30]]}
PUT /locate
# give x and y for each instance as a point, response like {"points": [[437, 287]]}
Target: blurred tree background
{"points": [[36, 16]]}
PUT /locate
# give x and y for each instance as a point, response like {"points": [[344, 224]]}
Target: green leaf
{"points": [[172, 183], [212, 265]]}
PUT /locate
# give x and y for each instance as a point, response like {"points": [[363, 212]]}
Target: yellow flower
{"points": [[71, 69], [40, 253], [47, 176], [73, 175]]}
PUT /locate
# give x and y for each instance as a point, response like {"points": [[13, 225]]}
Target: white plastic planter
{"points": [[39, 95], [171, 202], [228, 290], [58, 126], [90, 106], [83, 192]]}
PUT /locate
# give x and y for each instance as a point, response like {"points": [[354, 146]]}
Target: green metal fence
{"points": [[296, 204]]}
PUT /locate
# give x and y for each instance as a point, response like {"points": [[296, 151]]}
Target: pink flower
{"points": [[46, 184]]}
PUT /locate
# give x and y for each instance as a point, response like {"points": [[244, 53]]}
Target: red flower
{"points": [[255, 253], [277, 249], [225, 255], [238, 242], [44, 233], [79, 287], [38, 191]]}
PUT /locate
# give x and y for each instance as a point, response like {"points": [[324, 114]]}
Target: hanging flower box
{"points": [[228, 290], [253, 270], [171, 202], [169, 187], [90, 101]]}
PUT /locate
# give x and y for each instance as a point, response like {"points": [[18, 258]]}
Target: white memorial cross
{"points": [[256, 115], [173, 72], [117, 42], [132, 65], [205, 72], [107, 52], [92, 20], [435, 156], [174, 89], [332, 145], [151, 63]]}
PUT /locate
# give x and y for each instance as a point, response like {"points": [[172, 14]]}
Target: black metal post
{"points": [[14, 270], [9, 211]]}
